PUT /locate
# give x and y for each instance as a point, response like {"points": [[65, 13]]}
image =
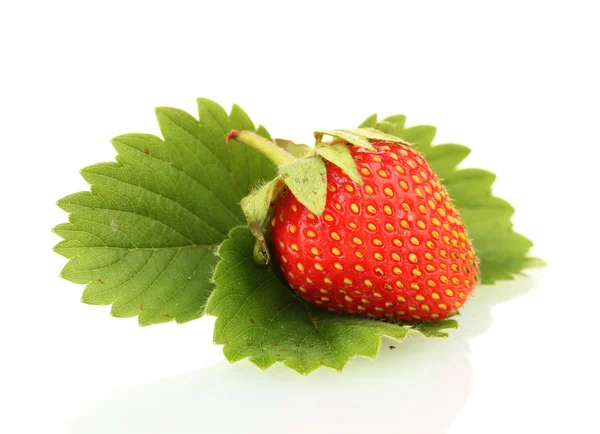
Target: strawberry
{"points": [[392, 247]]}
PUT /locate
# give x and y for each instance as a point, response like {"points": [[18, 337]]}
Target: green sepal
{"points": [[360, 136], [307, 179], [295, 149], [256, 207], [339, 155]]}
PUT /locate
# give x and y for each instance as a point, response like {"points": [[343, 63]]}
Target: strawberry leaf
{"points": [[259, 318], [502, 252], [339, 155], [143, 238]]}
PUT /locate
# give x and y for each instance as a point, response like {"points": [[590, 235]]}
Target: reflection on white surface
{"points": [[419, 386]]}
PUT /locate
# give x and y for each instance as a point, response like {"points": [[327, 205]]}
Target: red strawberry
{"points": [[393, 247]]}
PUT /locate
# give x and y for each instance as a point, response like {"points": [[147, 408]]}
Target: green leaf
{"points": [[359, 136], [501, 251], [143, 238], [307, 179], [259, 318], [339, 155]]}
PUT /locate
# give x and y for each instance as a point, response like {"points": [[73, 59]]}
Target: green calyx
{"points": [[302, 169]]}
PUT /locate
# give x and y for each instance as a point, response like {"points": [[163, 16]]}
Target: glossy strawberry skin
{"points": [[392, 247]]}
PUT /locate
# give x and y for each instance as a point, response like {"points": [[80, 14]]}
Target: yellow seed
{"points": [[401, 299], [328, 280], [431, 283], [399, 284], [421, 224], [359, 268], [371, 227], [325, 298], [377, 242], [430, 267], [412, 308], [338, 266], [294, 208], [406, 207], [403, 185], [295, 247], [397, 270], [342, 291], [378, 309], [311, 234], [443, 279], [455, 280], [443, 253], [281, 217], [281, 244], [348, 298], [338, 206], [349, 188], [441, 212], [323, 291], [458, 304], [354, 208], [413, 258], [446, 226], [387, 210], [420, 297], [399, 169], [347, 281], [431, 204], [404, 152], [392, 155], [419, 160], [435, 221], [357, 240], [435, 296], [377, 294], [293, 229], [377, 159], [446, 239], [437, 196], [388, 191], [395, 256], [315, 251], [336, 251], [415, 286], [461, 294], [368, 189], [404, 224], [371, 209], [388, 304], [418, 192], [427, 189], [319, 267], [449, 292], [428, 256], [353, 225], [434, 315], [331, 188], [382, 173], [442, 306], [291, 274], [435, 234], [416, 179], [365, 301], [379, 271], [328, 217], [429, 244], [359, 254], [422, 209], [425, 307], [414, 241], [335, 236], [423, 174], [365, 171], [311, 216], [378, 256], [411, 163], [302, 289], [397, 242], [416, 272], [389, 227], [283, 259]]}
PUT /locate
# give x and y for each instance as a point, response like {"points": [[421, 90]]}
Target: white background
{"points": [[515, 81]]}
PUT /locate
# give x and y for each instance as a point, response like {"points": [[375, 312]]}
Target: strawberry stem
{"points": [[273, 152]]}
